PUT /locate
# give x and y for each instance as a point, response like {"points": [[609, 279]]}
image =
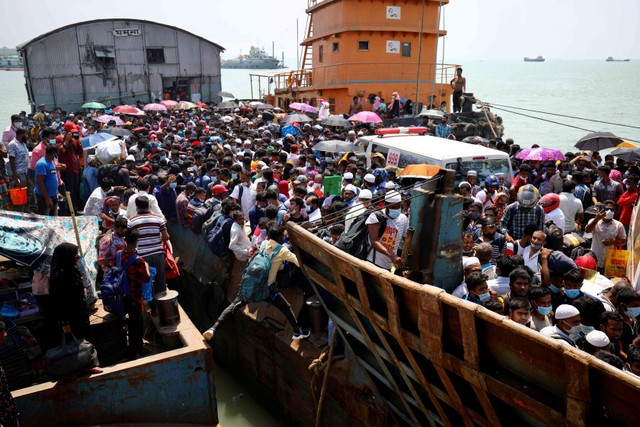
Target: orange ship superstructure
{"points": [[368, 48]]}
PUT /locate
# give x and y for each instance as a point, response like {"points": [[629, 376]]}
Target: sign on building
{"points": [[393, 12], [124, 32], [393, 46]]}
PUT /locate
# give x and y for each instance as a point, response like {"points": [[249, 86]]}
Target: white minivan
{"points": [[402, 149]]}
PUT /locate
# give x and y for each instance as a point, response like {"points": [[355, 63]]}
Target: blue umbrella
{"points": [[95, 138]]}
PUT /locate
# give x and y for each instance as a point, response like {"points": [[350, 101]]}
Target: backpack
{"points": [[218, 238], [254, 284], [108, 171], [202, 213], [354, 241], [115, 285], [211, 222]]}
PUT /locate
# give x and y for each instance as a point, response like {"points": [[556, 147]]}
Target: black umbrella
{"points": [[297, 118], [224, 94], [598, 141], [116, 131], [227, 105], [628, 154], [336, 121], [337, 146]]}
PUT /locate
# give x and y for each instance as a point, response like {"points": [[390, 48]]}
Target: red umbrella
{"points": [[155, 107], [126, 109], [365, 117], [170, 104]]}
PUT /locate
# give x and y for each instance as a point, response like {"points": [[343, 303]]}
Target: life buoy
{"points": [[401, 130], [290, 80]]}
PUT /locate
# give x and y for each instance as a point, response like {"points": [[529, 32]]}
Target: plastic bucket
{"points": [[18, 196]]}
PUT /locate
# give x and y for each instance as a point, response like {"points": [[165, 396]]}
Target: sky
{"points": [[477, 29]]}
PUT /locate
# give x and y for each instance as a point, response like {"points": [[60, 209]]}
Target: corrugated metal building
{"points": [[119, 61]]}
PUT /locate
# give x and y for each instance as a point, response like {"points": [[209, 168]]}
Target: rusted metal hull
{"points": [[437, 359], [256, 347], [176, 386]]}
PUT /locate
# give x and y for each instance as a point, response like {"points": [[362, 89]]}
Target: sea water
{"points": [[606, 91]]}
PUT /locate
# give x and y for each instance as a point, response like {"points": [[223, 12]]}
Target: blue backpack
{"points": [[254, 285], [219, 237], [115, 285]]}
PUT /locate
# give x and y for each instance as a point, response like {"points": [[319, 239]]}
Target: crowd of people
{"points": [[236, 178]]}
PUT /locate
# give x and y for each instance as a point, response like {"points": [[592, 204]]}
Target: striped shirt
{"points": [[150, 227]]}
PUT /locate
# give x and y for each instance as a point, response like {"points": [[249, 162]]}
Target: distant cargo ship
{"points": [[610, 59], [536, 59], [256, 59], [11, 63]]}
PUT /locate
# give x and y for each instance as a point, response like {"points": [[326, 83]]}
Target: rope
{"points": [[326, 376], [563, 115]]}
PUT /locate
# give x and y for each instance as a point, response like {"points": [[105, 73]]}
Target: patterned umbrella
{"points": [[365, 117], [540, 153], [169, 103], [185, 105], [155, 107], [301, 106], [105, 118]]}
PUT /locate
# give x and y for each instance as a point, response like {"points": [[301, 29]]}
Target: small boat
{"points": [[536, 59], [256, 59], [11, 63], [611, 59]]}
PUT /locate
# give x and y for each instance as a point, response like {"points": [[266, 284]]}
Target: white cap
{"points": [[227, 146], [351, 132], [365, 195], [91, 158], [238, 141], [389, 185], [130, 158], [499, 174], [464, 184], [370, 178], [360, 133], [565, 311], [472, 173], [393, 197], [469, 260], [598, 339], [348, 175], [351, 188]]}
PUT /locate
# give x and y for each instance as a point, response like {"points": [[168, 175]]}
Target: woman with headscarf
{"points": [[67, 292], [394, 106]]}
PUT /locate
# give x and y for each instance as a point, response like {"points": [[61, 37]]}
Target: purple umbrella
{"points": [[105, 118], [365, 117], [540, 153], [301, 106], [154, 107]]}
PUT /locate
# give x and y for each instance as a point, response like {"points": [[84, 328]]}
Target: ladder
{"points": [[307, 54]]}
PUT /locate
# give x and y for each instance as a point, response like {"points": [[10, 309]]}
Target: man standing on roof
{"points": [[355, 106], [459, 85]]}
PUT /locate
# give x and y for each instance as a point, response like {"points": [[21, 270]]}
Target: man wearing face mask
{"points": [[384, 246], [521, 213], [165, 194], [572, 281], [628, 306], [532, 252], [19, 163], [9, 134], [627, 200], [567, 325], [542, 313], [606, 231], [478, 289]]}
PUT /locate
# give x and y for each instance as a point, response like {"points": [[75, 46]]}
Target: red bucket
{"points": [[18, 196]]}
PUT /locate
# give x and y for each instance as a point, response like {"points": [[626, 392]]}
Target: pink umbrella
{"points": [[126, 109], [170, 104], [155, 107], [540, 153], [301, 106], [105, 118], [365, 117]]}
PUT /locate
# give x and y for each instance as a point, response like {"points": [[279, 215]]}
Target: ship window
{"points": [[406, 49], [155, 56], [335, 47], [320, 53], [363, 45]]}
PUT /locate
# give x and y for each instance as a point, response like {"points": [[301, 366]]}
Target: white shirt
{"points": [[499, 285], [570, 206], [93, 207], [315, 216], [391, 239], [239, 243], [531, 261], [461, 290], [153, 205], [248, 198], [557, 217], [554, 330], [605, 231]]}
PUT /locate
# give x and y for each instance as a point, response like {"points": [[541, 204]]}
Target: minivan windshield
{"points": [[484, 168]]}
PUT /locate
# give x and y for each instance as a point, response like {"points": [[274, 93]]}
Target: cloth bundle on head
{"points": [[565, 311], [615, 175], [283, 188]]}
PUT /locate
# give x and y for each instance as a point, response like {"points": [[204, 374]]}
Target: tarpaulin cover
{"points": [[30, 239]]}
